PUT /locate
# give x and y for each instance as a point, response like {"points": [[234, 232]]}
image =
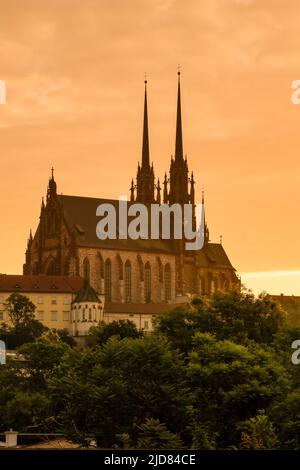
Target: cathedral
{"points": [[138, 271]]}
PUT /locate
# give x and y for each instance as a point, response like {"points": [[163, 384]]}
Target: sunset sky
{"points": [[74, 73]]}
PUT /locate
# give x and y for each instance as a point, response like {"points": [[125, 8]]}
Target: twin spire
{"points": [[145, 186], [178, 187]]}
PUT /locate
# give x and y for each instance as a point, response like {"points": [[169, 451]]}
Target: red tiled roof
{"points": [[39, 283]]}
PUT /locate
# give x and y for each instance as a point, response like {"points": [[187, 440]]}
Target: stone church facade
{"points": [[129, 271]]}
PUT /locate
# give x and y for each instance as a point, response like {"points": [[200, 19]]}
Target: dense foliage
{"points": [[215, 375]]}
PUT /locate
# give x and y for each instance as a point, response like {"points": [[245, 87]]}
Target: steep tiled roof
{"points": [[87, 294], [39, 283], [80, 214], [213, 254]]}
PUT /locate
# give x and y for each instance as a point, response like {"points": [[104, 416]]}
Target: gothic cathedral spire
{"points": [[145, 173], [179, 179], [145, 147], [178, 141]]}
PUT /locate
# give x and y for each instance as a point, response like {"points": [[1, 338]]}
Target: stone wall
{"points": [[97, 259]]}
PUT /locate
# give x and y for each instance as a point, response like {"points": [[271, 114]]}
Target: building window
{"points": [[100, 264], [146, 325], [147, 282], [86, 268], [66, 301], [40, 315], [120, 267], [168, 282], [90, 314], [53, 316], [107, 280], [1, 316], [40, 300], [51, 268], [160, 270], [201, 286], [53, 301], [127, 281], [66, 316]]}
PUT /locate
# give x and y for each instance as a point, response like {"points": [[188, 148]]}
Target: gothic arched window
{"points": [[201, 286], [147, 282], [120, 267], [127, 281], [168, 287], [50, 269], [86, 268], [99, 263], [140, 268], [160, 269], [107, 279]]}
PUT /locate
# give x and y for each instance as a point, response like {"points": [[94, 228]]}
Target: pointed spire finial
{"points": [[178, 143], [221, 239], [132, 191], [145, 148], [52, 185], [158, 197]]}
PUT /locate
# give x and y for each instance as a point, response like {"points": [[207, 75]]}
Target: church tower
{"points": [[179, 172], [145, 173]]}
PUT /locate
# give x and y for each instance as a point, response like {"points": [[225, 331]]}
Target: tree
{"points": [[119, 328], [20, 310], [26, 409], [41, 357], [238, 316], [179, 326], [24, 328], [110, 391], [64, 336], [282, 344], [286, 415], [258, 433], [155, 435], [231, 383]]}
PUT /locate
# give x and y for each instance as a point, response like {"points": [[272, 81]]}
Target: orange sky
{"points": [[74, 73]]}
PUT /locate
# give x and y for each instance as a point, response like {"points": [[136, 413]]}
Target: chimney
{"points": [[11, 439]]}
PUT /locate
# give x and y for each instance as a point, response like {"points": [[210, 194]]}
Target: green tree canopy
{"points": [[119, 328], [231, 382]]}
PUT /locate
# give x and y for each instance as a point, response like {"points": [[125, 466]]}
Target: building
{"points": [[69, 302], [51, 295], [129, 271], [86, 310]]}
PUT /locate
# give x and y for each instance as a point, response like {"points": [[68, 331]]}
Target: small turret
{"points": [[165, 197], [158, 197]]}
